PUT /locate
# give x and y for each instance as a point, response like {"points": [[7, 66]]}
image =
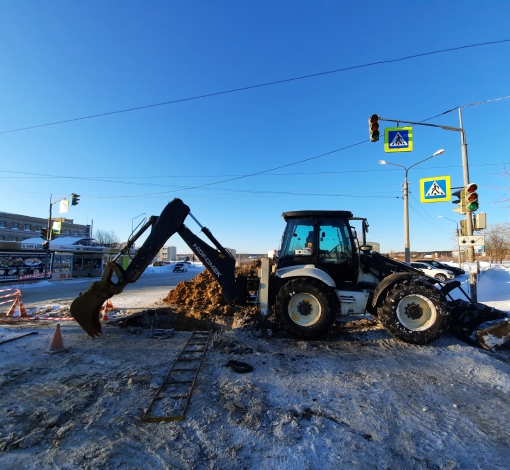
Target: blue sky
{"points": [[68, 60]]}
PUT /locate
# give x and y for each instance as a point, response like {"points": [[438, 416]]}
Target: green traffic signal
{"points": [[472, 197]]}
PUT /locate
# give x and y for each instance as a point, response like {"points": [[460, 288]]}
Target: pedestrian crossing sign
{"points": [[436, 189], [398, 139]]}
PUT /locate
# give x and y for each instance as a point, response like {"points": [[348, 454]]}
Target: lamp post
{"points": [[406, 199], [458, 233]]}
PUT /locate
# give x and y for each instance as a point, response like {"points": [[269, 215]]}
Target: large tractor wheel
{"points": [[306, 307], [415, 311]]}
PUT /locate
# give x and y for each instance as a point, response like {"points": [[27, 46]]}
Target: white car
{"points": [[440, 274], [180, 267]]}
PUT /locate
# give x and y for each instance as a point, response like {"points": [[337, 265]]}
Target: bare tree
{"points": [[497, 242], [106, 238]]}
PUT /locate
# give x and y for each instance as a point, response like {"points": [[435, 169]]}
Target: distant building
{"points": [[167, 253], [16, 227]]}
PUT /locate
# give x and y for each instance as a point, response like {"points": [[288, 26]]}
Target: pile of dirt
{"points": [[202, 296]]}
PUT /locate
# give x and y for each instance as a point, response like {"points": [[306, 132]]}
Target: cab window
{"points": [[335, 242], [299, 239]]}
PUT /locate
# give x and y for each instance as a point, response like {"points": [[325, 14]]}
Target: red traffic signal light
{"points": [[373, 128], [472, 197]]}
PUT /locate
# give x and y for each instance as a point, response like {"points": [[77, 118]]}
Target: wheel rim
{"points": [[304, 309], [441, 277], [416, 312]]}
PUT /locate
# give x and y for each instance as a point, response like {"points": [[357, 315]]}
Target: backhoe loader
{"points": [[323, 272]]}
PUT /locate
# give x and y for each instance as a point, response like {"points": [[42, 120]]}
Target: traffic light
{"points": [[44, 233], [373, 127], [461, 201], [472, 197], [75, 200], [463, 227], [46, 245]]}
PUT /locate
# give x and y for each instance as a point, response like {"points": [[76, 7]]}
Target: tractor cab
{"points": [[324, 240]]}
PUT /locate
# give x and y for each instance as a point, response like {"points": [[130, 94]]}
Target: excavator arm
{"points": [[218, 261]]}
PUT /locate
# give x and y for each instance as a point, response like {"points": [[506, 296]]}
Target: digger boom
{"points": [[218, 261]]}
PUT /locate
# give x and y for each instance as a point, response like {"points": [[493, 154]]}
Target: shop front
{"points": [[70, 257]]}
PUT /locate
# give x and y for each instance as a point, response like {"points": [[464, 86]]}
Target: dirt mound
{"points": [[203, 295]]}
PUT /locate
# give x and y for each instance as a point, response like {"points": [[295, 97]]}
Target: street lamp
{"points": [[458, 233], [406, 199]]}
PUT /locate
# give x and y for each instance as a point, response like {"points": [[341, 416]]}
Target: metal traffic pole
{"points": [[469, 220]]}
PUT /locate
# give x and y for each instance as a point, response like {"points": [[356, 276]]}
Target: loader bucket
{"points": [[494, 334], [486, 326]]}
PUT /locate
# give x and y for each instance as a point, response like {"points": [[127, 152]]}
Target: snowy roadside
{"points": [[356, 399]]}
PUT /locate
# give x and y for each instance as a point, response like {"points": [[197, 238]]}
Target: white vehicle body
{"points": [[440, 274]]}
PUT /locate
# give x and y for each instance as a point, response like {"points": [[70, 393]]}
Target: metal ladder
{"points": [[173, 396]]}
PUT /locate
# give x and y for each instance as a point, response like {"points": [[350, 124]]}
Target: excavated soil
{"points": [[202, 297]]}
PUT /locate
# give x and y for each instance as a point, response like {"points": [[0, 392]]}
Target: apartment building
{"points": [[16, 227], [167, 253]]}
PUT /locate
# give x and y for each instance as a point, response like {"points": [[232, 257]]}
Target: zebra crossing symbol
{"points": [[436, 189], [398, 139]]}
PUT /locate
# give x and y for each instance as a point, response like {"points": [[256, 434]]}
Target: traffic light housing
{"points": [[461, 201], [44, 233], [373, 128], [471, 197], [463, 227], [75, 199]]}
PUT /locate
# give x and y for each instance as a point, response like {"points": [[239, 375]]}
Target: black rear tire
{"points": [[415, 311], [306, 307]]}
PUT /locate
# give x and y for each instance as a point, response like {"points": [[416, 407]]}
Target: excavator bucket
{"points": [[85, 308]]}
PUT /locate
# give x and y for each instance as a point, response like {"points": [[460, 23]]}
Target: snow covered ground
{"points": [[356, 399]]}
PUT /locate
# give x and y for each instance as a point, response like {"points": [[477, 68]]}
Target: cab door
{"points": [[337, 254]]}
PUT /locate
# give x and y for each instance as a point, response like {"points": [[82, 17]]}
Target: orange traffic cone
{"points": [[21, 308], [57, 344], [105, 309]]}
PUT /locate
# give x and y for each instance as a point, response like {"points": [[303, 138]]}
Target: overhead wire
{"points": [[261, 85]]}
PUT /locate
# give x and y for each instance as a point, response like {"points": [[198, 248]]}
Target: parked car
{"points": [[439, 274], [438, 265], [180, 268]]}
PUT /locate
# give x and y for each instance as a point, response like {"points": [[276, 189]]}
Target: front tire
{"points": [[306, 307], [415, 311], [440, 277]]}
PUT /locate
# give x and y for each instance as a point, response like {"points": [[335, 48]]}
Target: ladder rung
{"points": [[199, 346]]}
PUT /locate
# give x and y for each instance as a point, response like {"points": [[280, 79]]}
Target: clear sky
{"points": [[67, 60]]}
